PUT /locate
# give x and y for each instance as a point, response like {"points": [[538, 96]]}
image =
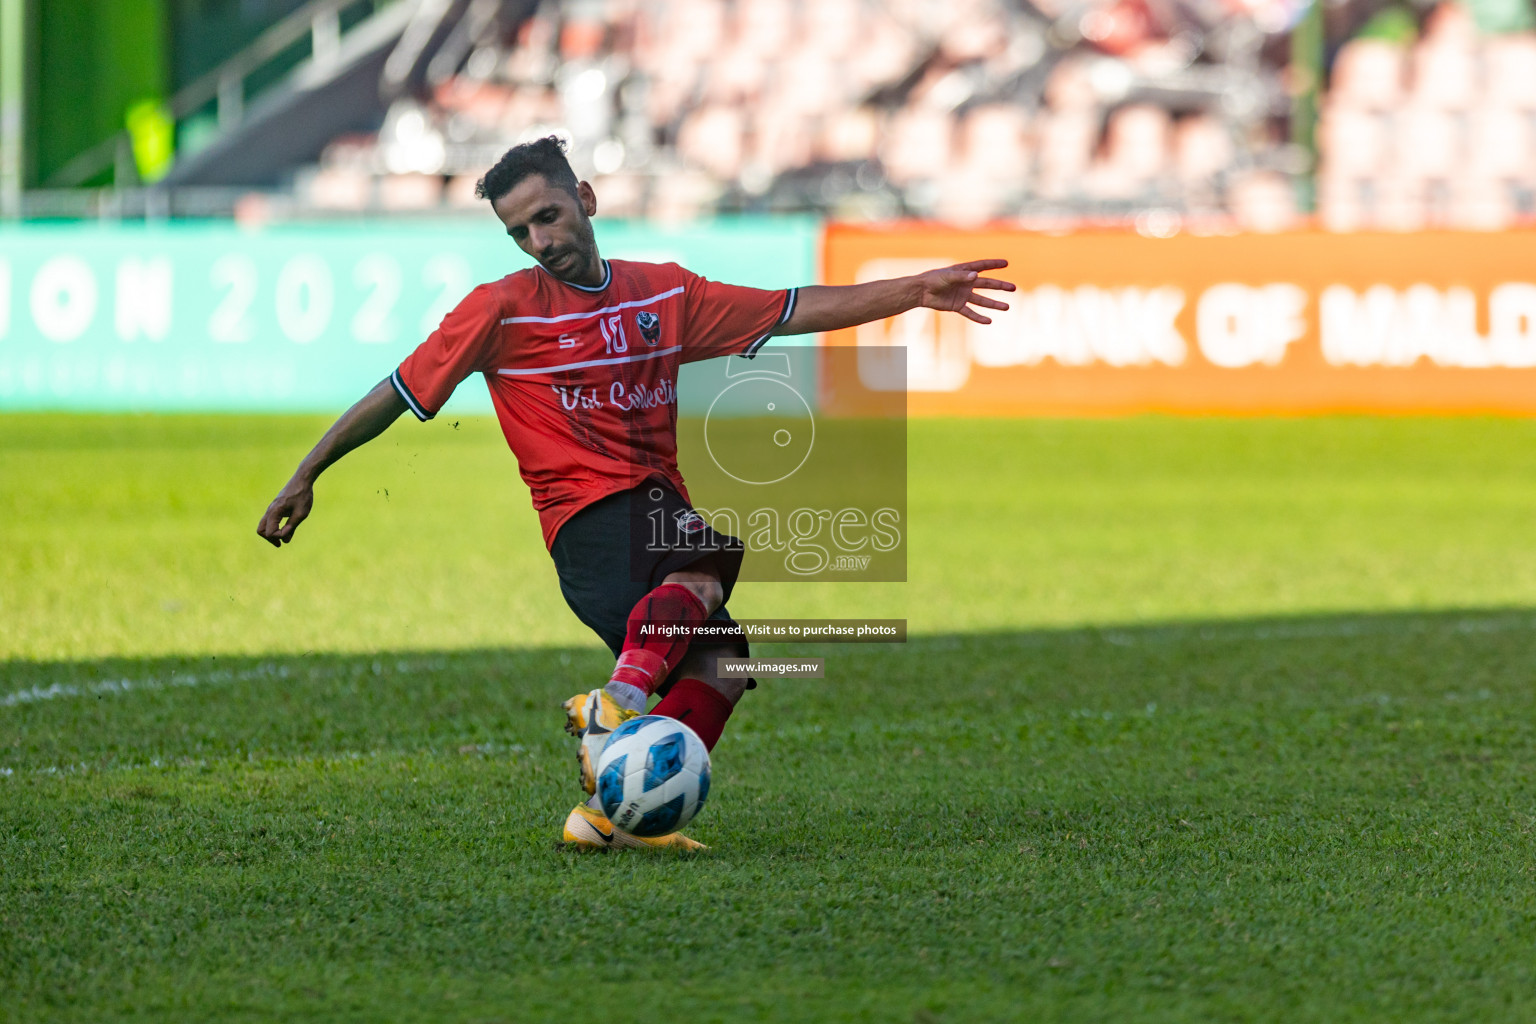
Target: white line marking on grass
{"points": [[266, 670], [57, 690], [449, 754]]}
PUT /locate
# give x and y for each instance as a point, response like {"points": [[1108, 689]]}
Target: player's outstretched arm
{"points": [[358, 425], [953, 289]]}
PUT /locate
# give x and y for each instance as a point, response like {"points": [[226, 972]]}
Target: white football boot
{"points": [[587, 828], [591, 717]]}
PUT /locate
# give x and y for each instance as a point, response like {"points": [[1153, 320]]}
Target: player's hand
{"points": [[954, 289], [289, 509]]}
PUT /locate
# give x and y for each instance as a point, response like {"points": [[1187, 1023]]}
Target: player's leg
{"points": [[592, 552], [655, 640], [659, 630], [698, 696], [701, 697]]}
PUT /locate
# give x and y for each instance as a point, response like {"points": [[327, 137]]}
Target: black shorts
{"points": [[620, 548]]}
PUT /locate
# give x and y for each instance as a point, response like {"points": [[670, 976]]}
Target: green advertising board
{"points": [[184, 317]]}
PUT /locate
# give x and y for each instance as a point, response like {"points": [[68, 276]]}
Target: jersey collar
{"points": [[607, 280]]}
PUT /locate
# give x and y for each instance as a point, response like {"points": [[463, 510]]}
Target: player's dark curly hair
{"points": [[544, 156]]}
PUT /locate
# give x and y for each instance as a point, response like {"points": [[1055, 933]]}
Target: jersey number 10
{"points": [[613, 334]]}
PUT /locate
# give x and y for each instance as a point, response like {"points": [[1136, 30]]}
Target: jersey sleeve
{"points": [[452, 352], [728, 319]]}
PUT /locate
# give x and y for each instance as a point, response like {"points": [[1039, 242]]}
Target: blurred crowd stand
{"points": [[967, 111], [1170, 115], [1435, 134]]}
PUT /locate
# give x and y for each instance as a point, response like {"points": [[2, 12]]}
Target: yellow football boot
{"points": [[587, 829], [590, 717]]}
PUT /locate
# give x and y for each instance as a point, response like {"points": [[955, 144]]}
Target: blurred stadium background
{"points": [[1257, 194], [1211, 114]]}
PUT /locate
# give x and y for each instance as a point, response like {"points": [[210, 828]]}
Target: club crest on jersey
{"points": [[690, 521], [650, 326]]}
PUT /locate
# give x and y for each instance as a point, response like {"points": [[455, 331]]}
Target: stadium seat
{"points": [[1137, 141], [782, 138], [969, 197], [1354, 142], [764, 25], [809, 83], [994, 141], [620, 195], [1444, 75], [1480, 204], [885, 53], [830, 28], [1341, 203], [1368, 75], [1450, 24], [978, 37], [339, 188], [404, 192], [1499, 143], [459, 193], [1427, 142], [917, 145], [1070, 86], [1509, 67], [712, 138], [1202, 148], [1263, 201], [682, 196], [848, 135], [1399, 203], [1066, 143], [737, 76]]}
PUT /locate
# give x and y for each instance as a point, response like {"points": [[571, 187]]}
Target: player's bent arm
{"points": [[955, 289], [357, 426]]}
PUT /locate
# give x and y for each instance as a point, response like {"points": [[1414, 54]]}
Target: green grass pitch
{"points": [[1201, 720]]}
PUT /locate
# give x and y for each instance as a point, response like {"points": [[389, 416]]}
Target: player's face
{"points": [[554, 227]]}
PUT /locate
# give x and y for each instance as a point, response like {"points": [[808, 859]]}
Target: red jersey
{"points": [[584, 380]]}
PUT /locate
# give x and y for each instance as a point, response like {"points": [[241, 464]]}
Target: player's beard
{"points": [[574, 263]]}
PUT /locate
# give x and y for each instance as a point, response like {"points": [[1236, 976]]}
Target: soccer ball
{"points": [[652, 776]]}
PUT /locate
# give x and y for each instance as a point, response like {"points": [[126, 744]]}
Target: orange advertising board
{"points": [[1296, 323]]}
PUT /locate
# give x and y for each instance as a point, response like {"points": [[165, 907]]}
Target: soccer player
{"points": [[581, 357]]}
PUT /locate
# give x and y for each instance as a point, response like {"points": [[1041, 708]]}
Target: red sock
{"points": [[699, 706], [649, 656]]}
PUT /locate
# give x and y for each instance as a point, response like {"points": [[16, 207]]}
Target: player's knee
{"points": [[709, 592], [704, 583], [704, 665], [732, 689]]}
